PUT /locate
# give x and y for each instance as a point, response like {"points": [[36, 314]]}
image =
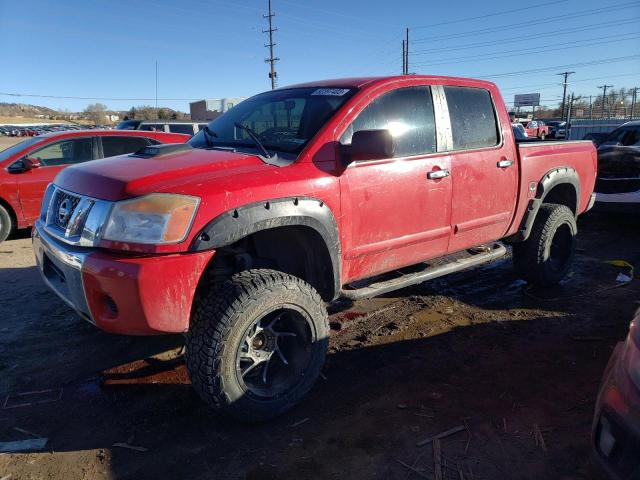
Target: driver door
{"points": [[398, 212]]}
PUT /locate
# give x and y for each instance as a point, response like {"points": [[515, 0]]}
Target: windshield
{"points": [[283, 120], [4, 154]]}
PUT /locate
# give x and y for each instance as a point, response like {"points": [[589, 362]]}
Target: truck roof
{"points": [[358, 82]]}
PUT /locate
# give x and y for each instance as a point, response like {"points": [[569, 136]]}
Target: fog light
{"points": [[606, 440]]}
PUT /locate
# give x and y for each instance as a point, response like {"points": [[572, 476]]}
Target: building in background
{"points": [[205, 110]]}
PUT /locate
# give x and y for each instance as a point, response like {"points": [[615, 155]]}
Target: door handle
{"points": [[436, 174], [505, 163]]}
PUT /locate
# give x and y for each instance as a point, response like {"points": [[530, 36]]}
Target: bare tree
{"points": [[96, 112]]}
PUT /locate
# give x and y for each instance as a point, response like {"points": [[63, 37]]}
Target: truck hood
{"points": [[127, 176]]}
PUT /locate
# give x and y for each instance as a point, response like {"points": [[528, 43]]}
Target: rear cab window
{"points": [[473, 118]]}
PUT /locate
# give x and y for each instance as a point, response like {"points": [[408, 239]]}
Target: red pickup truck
{"points": [[536, 129], [294, 198], [29, 166]]}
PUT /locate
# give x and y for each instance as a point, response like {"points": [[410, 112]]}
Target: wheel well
{"points": [[296, 250], [563, 194]]}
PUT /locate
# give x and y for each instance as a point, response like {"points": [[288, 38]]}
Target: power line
{"points": [[557, 67], [575, 81], [271, 60], [554, 33], [487, 15], [531, 51], [539, 21]]}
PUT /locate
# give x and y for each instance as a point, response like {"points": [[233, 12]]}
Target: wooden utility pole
{"points": [[273, 75], [604, 95], [406, 54], [564, 90], [404, 59], [634, 92]]}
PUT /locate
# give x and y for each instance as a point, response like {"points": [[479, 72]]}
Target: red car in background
{"points": [[616, 426], [29, 166], [536, 129]]}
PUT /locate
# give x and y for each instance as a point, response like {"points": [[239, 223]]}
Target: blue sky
{"points": [[215, 48]]}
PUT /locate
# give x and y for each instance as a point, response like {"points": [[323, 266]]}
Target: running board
{"points": [[458, 261]]}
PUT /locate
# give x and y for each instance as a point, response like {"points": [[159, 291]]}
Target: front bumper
{"points": [[616, 426], [119, 293]]}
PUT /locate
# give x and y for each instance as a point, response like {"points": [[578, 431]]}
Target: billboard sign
{"points": [[527, 100]]}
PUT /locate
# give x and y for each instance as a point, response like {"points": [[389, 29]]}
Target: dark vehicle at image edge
{"points": [[616, 425], [296, 197], [618, 183]]}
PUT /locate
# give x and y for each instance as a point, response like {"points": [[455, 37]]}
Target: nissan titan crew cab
{"points": [[296, 197]]}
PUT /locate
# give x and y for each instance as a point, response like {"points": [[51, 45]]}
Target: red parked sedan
{"points": [[29, 166]]}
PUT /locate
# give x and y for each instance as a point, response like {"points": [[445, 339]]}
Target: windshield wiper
{"points": [[256, 139], [208, 135]]}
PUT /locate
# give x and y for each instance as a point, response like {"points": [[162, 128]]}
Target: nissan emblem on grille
{"points": [[64, 212]]}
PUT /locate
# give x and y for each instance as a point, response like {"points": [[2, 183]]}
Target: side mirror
{"points": [[30, 163], [371, 145]]}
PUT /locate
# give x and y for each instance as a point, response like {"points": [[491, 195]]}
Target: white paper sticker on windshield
{"points": [[334, 92]]}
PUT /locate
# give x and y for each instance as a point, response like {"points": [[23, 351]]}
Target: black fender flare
{"points": [[551, 179], [240, 222]]}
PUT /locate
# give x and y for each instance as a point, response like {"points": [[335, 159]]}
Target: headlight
{"points": [[156, 218]]}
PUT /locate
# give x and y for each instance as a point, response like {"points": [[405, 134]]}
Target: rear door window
{"points": [[113, 145], [75, 150], [181, 128], [407, 113], [473, 119]]}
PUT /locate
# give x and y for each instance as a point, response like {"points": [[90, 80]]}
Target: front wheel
{"points": [[543, 136], [546, 256], [257, 344], [6, 224]]}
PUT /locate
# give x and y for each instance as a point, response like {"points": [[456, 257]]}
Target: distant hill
{"points": [[25, 110]]}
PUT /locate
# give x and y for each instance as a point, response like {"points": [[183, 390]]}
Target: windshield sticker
{"points": [[332, 92]]}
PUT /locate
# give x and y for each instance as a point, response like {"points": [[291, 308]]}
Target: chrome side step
{"points": [[458, 261]]}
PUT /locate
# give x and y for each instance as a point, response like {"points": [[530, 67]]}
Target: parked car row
{"points": [[33, 130]]}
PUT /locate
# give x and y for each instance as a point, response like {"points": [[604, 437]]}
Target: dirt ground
{"points": [[518, 368]]}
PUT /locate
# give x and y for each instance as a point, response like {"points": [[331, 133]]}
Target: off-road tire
{"points": [[531, 258], [221, 315], [6, 224]]}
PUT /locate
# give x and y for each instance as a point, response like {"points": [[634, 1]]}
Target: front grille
{"points": [[64, 204]]}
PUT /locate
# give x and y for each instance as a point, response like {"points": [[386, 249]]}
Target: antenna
{"points": [[273, 75]]}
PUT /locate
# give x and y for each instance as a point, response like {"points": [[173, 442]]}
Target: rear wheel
{"points": [[257, 344], [6, 224], [546, 256], [543, 136]]}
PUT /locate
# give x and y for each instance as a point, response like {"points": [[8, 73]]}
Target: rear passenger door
{"points": [[484, 170], [113, 145]]}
